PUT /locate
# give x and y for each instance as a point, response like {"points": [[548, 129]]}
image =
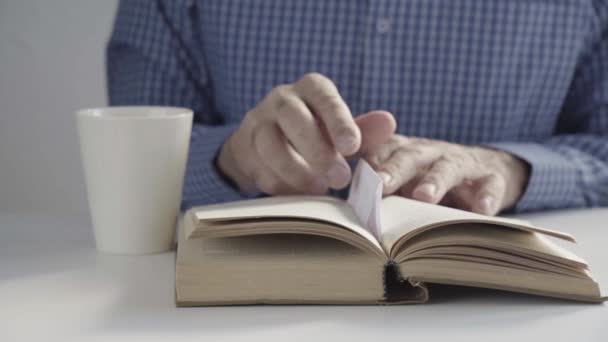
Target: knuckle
{"points": [[467, 159], [399, 139], [417, 152], [392, 168], [450, 157], [313, 78], [331, 103], [328, 101], [432, 178], [394, 142], [282, 90], [412, 155], [287, 105], [477, 158], [284, 100], [251, 120], [401, 159], [444, 167], [322, 91], [456, 169], [422, 141]]}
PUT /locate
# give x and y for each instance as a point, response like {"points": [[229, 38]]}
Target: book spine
{"points": [[391, 278], [399, 289]]}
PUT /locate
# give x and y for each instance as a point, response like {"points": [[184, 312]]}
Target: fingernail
{"points": [[486, 205], [339, 175], [386, 177], [428, 191], [346, 143]]}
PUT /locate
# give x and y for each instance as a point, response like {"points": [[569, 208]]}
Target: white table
{"points": [[54, 286]]}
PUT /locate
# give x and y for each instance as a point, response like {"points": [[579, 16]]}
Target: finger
{"points": [[376, 128], [278, 155], [270, 183], [460, 196], [448, 200], [405, 164], [322, 97], [380, 154], [303, 132], [265, 180], [339, 174], [443, 175], [489, 194], [407, 188]]}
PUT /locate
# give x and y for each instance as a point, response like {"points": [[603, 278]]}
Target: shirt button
{"points": [[383, 25]]}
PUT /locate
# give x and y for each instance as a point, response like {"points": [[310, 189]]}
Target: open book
{"points": [[315, 249]]}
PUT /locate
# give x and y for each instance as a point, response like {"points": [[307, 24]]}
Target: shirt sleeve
{"points": [[150, 61], [570, 169]]}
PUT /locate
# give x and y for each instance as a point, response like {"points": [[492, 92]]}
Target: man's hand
{"points": [[296, 138], [467, 177]]}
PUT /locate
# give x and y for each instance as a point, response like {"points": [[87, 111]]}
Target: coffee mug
{"points": [[134, 159]]}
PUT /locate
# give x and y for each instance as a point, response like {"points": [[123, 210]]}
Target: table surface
{"points": [[54, 286]]}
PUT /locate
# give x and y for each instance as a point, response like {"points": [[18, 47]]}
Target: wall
{"points": [[51, 63]]}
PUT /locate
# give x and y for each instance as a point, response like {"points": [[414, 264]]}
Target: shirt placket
{"points": [[375, 57]]}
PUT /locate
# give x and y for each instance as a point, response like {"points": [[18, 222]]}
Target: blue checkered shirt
{"points": [[529, 77]]}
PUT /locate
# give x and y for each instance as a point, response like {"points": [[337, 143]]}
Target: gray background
{"points": [[51, 63]]}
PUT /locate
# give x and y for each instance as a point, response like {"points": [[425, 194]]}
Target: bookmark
{"points": [[365, 195]]}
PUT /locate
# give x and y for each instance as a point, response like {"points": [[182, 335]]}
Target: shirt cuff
{"points": [[203, 183], [553, 181]]}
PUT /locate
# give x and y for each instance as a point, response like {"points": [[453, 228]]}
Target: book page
{"points": [[491, 238], [318, 208], [402, 218], [275, 269]]}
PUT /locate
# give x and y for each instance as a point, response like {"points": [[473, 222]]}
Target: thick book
{"points": [[365, 250]]}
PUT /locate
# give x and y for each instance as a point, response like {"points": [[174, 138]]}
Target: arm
{"points": [[146, 65], [278, 148], [571, 168]]}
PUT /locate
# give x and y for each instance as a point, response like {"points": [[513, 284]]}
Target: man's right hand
{"points": [[295, 140]]}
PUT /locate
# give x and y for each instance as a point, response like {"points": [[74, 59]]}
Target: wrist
{"points": [[516, 173]]}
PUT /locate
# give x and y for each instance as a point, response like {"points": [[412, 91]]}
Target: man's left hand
{"points": [[472, 178]]}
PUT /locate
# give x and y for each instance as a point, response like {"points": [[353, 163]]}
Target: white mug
{"points": [[134, 159]]}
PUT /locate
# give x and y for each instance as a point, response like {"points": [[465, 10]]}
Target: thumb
{"points": [[376, 128]]}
